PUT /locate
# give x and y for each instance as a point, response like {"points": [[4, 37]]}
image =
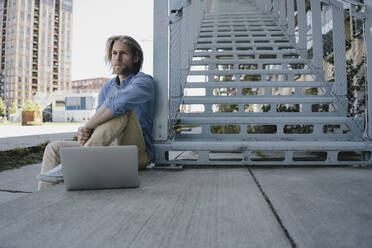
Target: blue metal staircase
{"points": [[250, 93]]}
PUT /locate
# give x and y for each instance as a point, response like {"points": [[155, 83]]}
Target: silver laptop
{"points": [[100, 167]]}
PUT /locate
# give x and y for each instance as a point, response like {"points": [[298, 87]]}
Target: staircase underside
{"points": [[252, 98]]}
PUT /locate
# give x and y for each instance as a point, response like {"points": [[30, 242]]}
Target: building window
{"points": [[79, 103], [60, 103]]}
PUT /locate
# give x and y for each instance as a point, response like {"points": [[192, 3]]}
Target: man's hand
{"points": [[102, 115], [84, 134]]}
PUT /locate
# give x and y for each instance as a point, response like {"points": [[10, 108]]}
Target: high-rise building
{"points": [[35, 51]]}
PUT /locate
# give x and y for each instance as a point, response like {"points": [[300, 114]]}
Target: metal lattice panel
{"points": [[245, 69], [252, 95]]}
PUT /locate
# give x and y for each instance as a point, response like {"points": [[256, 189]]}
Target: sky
{"points": [[96, 20]]}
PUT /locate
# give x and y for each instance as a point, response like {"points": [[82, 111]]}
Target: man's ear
{"points": [[136, 59]]}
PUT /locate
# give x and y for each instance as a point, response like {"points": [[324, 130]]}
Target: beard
{"points": [[122, 70]]}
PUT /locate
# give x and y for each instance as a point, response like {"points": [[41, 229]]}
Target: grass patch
{"points": [[18, 157]]}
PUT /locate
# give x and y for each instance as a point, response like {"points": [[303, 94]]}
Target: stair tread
{"points": [[231, 45], [256, 99], [247, 61], [245, 52], [218, 37], [258, 84], [250, 72], [269, 120], [280, 145]]}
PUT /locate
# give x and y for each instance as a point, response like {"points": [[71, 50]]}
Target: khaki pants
{"points": [[121, 130]]}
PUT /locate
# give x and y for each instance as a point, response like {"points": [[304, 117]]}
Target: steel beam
{"points": [[160, 71], [368, 44]]}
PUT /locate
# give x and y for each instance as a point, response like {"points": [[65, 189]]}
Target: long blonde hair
{"points": [[132, 43]]}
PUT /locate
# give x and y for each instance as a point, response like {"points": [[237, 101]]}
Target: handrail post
{"points": [[368, 44], [262, 5], [339, 49], [290, 17], [160, 69], [276, 9], [302, 45], [283, 15], [317, 62]]}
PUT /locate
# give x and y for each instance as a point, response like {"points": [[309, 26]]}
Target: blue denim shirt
{"points": [[135, 92]]}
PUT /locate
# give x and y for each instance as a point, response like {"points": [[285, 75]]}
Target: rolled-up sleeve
{"points": [[139, 91]]}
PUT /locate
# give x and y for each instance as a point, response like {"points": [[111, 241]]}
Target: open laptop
{"points": [[100, 167]]}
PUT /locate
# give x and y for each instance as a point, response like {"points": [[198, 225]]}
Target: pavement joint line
{"points": [[14, 191], [272, 208]]}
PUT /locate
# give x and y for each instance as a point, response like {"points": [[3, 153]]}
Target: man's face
{"points": [[122, 58]]}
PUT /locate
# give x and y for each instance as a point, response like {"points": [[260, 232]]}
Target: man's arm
{"points": [[102, 115]]}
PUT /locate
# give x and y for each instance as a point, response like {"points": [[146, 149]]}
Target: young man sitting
{"points": [[124, 114]]}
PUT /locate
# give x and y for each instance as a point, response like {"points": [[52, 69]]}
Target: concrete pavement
{"points": [[17, 183], [20, 182], [314, 207]]}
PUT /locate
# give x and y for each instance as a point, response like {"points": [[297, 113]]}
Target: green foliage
{"points": [[32, 107], [13, 108], [311, 91], [19, 157], [356, 87], [37, 107], [225, 129], [2, 107]]}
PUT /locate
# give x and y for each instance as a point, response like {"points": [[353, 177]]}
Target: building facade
{"points": [[76, 107], [35, 48], [94, 84]]}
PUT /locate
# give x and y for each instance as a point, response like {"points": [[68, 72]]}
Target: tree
{"points": [[2, 107], [13, 108], [29, 106]]}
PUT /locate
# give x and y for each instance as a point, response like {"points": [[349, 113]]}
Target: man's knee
{"points": [[53, 146]]}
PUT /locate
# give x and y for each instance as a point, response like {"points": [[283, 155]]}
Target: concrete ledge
{"points": [[32, 140]]}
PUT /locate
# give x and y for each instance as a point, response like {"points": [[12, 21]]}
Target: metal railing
{"points": [[176, 28], [332, 34], [304, 47]]}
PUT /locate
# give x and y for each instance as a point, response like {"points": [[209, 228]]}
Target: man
{"points": [[123, 116]]}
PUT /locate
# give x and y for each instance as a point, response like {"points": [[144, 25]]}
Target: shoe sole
{"points": [[50, 179]]}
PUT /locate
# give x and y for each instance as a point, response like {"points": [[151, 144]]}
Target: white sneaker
{"points": [[54, 175]]}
